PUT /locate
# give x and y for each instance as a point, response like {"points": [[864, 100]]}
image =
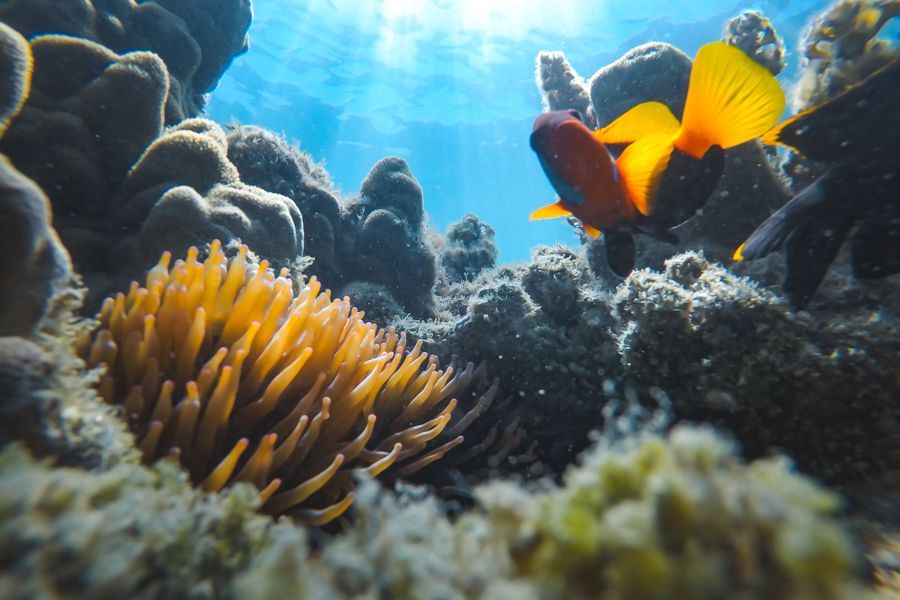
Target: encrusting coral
{"points": [[676, 518], [197, 39], [754, 34], [470, 249], [219, 361], [386, 222], [561, 87], [665, 516], [841, 47], [37, 265]]}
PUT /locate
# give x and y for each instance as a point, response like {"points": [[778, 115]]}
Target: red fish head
{"points": [[580, 168]]}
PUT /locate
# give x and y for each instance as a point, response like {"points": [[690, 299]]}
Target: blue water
{"points": [[449, 86]]}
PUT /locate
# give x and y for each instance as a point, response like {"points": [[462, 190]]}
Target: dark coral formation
{"points": [[469, 249], [561, 87], [268, 161], [196, 40], [653, 71], [16, 63], [122, 189], [697, 338], [756, 36], [184, 191], [842, 47], [36, 266], [387, 234]]}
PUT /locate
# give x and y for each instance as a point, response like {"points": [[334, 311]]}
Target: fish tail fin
{"points": [[731, 99], [648, 118], [641, 166], [811, 231], [771, 235], [551, 211]]}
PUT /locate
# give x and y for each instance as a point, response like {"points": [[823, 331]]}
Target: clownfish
{"points": [[731, 100]]}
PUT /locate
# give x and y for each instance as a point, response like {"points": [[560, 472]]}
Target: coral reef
{"points": [[388, 245], [217, 359], [561, 87], [710, 345], [196, 40], [16, 63], [754, 34], [184, 191], [69, 533], [92, 136], [36, 265], [661, 514], [268, 161], [469, 249], [841, 47], [654, 71], [122, 189], [677, 518]]}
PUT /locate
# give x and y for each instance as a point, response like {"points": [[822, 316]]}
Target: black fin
{"points": [[771, 234], [686, 185], [810, 249], [657, 232], [620, 253], [852, 122], [876, 246]]}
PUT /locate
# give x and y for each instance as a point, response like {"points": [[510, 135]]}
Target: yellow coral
{"points": [[221, 365]]}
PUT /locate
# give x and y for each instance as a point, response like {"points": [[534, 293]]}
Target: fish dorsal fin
{"points": [[551, 211], [731, 99], [641, 166], [648, 118]]}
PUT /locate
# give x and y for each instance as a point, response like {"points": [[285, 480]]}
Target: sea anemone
{"points": [[220, 365]]}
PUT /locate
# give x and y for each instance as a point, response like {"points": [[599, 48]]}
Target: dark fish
{"points": [[855, 135]]}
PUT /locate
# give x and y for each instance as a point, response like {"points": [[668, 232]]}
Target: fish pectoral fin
{"points": [[551, 211], [641, 166], [731, 99], [592, 232], [648, 118]]}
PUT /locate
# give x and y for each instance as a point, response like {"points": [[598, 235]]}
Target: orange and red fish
{"points": [[731, 100]]}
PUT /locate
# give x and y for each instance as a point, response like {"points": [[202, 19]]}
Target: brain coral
{"points": [[223, 366]]}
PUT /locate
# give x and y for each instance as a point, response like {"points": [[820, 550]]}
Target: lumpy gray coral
{"points": [[387, 233], [654, 71], [268, 161], [469, 249], [841, 47], [36, 266], [756, 36], [196, 40], [562, 87], [712, 345]]}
